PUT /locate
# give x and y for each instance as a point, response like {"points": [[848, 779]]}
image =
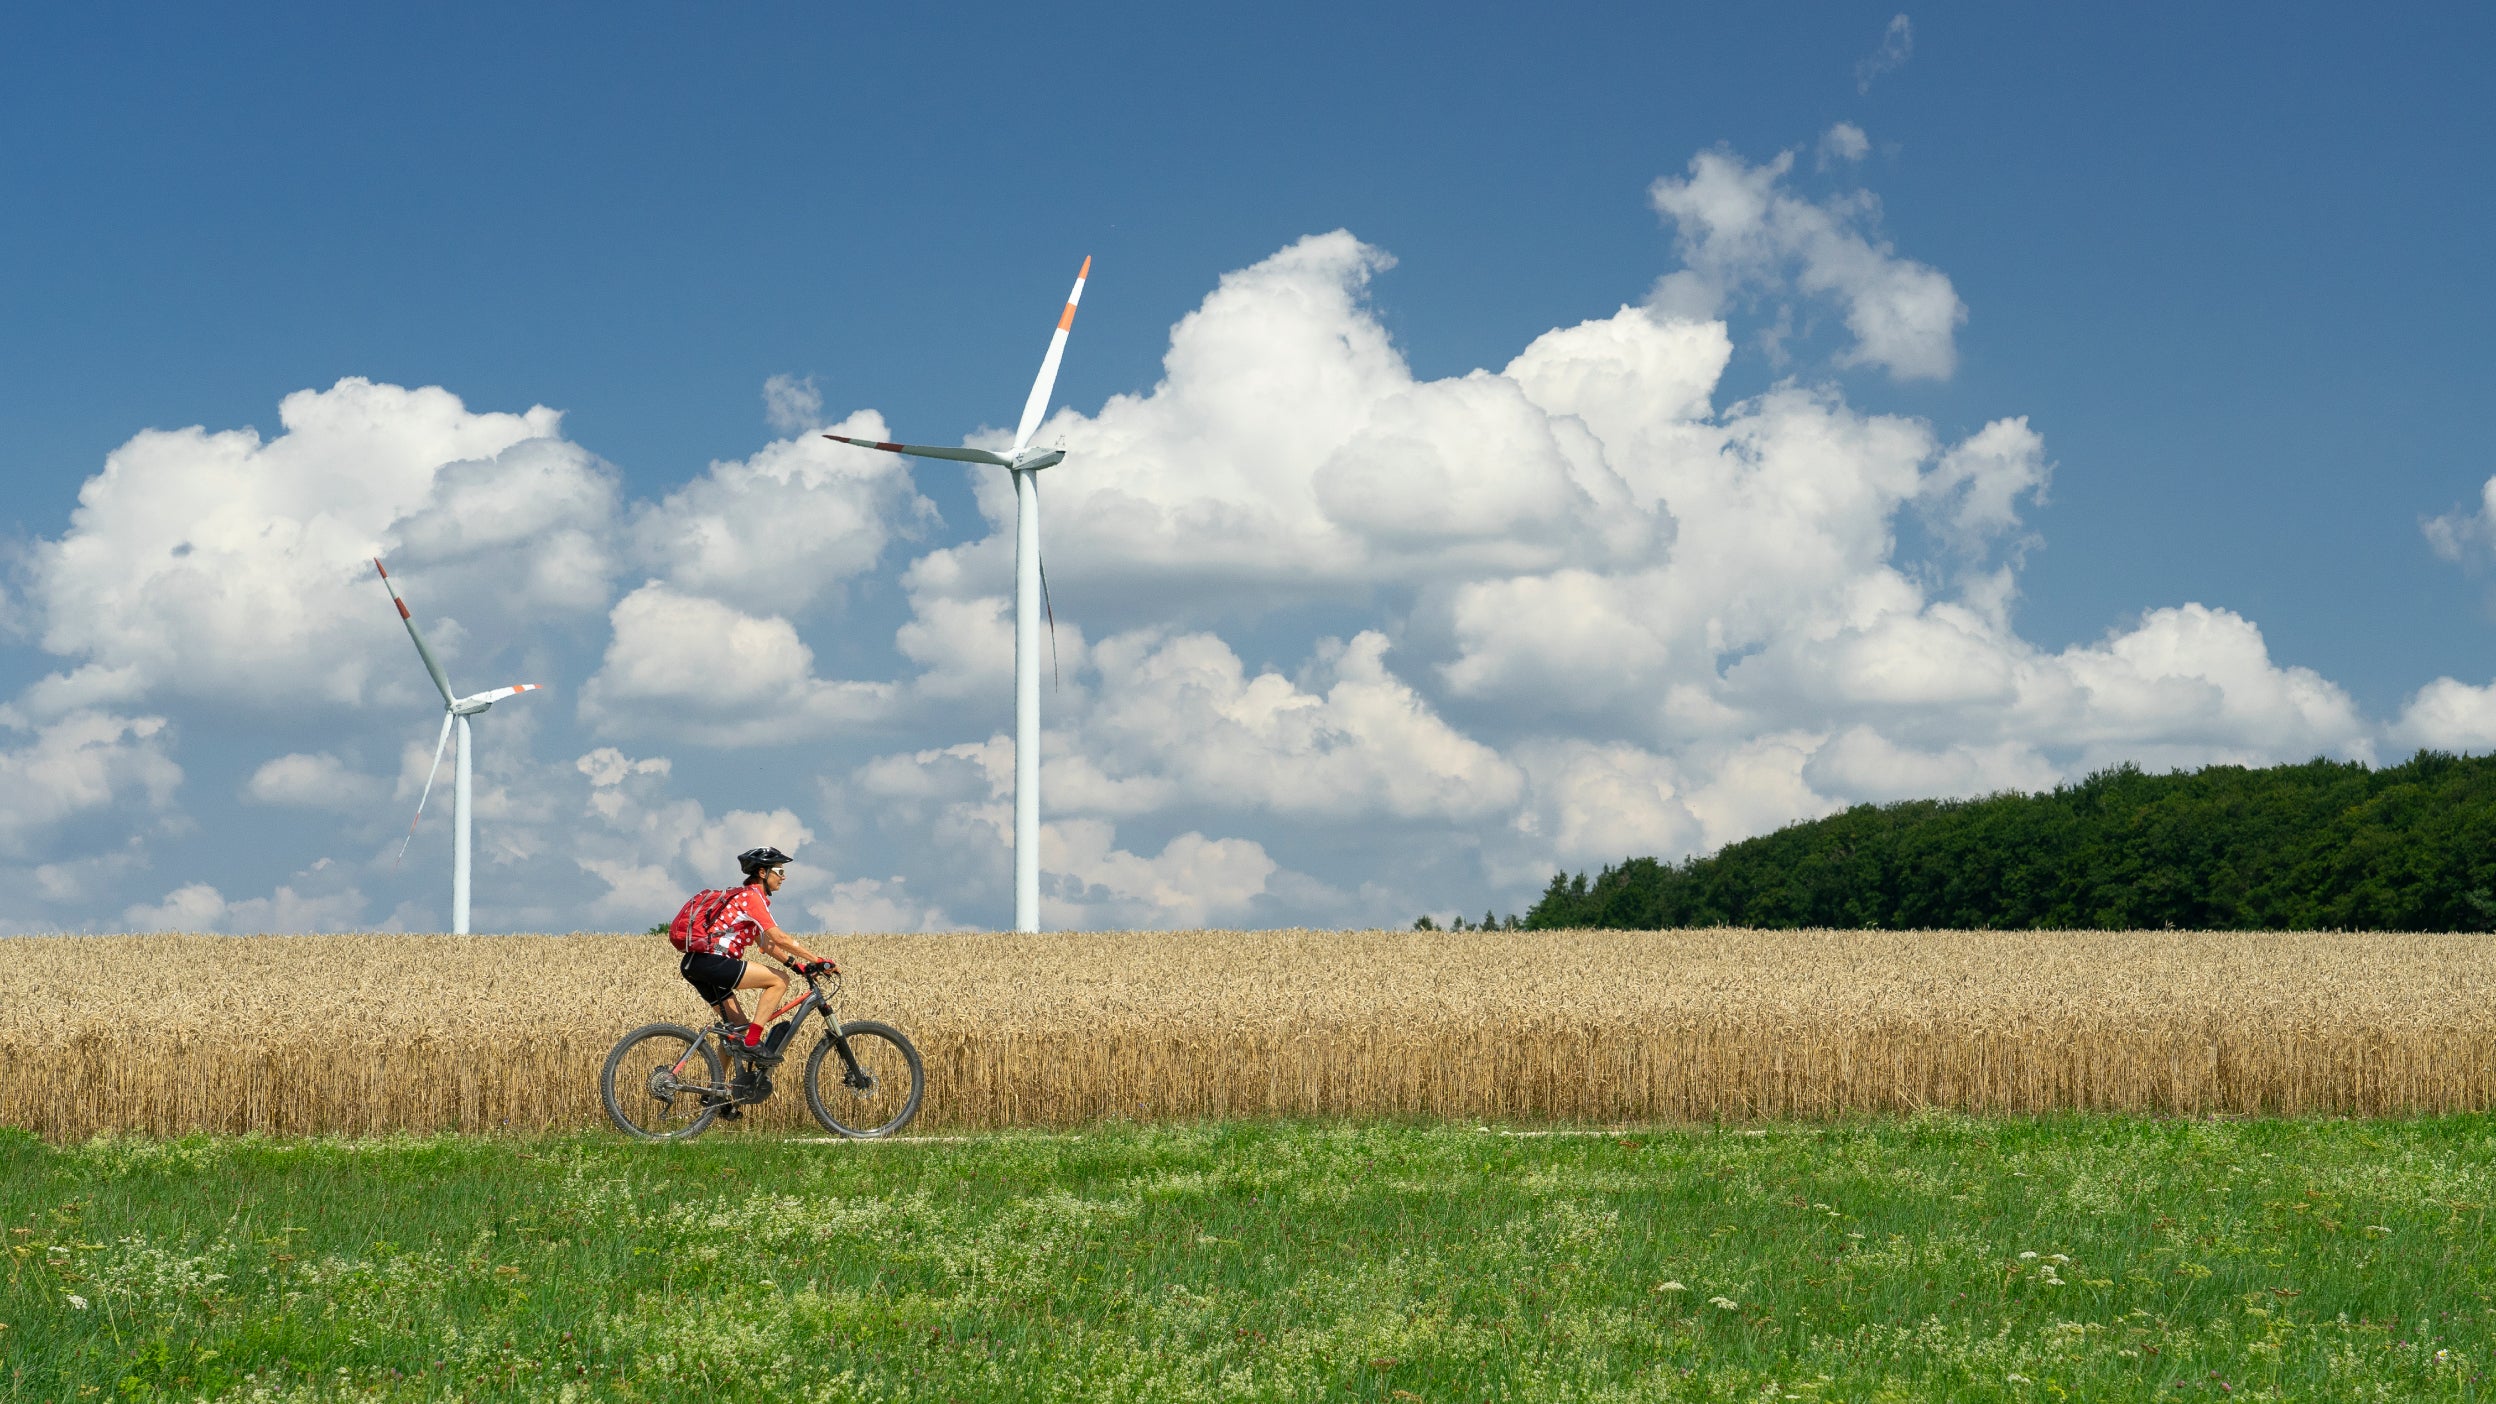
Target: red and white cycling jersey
{"points": [[739, 924]]}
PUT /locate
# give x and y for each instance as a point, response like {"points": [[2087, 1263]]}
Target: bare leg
{"points": [[759, 976]]}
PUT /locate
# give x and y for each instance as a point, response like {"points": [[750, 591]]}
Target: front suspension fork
{"points": [[856, 1076]]}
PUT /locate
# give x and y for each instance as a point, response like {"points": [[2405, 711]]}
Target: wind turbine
{"points": [[1029, 590], [455, 710]]}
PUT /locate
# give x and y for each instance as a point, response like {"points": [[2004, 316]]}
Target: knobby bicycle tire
{"points": [[887, 1056], [682, 1115]]}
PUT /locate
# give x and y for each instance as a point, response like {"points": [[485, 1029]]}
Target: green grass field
{"points": [[1934, 1258]]}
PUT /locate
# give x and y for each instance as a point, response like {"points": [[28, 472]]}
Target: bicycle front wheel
{"points": [[876, 1099], [660, 1082]]}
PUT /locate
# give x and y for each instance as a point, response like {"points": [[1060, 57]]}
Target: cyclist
{"points": [[715, 963]]}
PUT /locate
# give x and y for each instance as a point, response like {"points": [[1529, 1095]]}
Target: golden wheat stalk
{"points": [[304, 1034]]}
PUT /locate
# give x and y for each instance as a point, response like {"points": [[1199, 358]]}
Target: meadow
{"points": [[1930, 1257], [305, 1035]]}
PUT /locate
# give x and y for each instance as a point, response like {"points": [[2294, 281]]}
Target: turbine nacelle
{"points": [[1034, 462]]}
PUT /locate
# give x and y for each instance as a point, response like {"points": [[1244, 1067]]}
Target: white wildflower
{"points": [[2061, 1257], [1670, 1287], [76, 1302], [2027, 1257], [1724, 1303]]}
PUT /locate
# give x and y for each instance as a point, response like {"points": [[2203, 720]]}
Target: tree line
{"points": [[2326, 844]]}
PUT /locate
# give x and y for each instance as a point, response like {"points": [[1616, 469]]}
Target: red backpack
{"points": [[699, 914]]}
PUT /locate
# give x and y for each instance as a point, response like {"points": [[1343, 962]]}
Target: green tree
{"points": [[2322, 844]]}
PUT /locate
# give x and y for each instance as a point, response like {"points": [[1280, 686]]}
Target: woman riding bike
{"points": [[669, 1082], [715, 963]]}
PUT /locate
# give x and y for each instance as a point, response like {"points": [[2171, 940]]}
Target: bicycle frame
{"points": [[797, 1009]]}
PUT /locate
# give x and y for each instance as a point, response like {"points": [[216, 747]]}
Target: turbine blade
{"points": [[440, 679], [488, 699], [428, 794], [1042, 561], [1036, 408], [959, 455]]}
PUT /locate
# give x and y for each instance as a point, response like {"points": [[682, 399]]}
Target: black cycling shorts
{"points": [[714, 977]]}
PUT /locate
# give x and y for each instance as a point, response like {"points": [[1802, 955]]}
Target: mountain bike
{"points": [[669, 1082]]}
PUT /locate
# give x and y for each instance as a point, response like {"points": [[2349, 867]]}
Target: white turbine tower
{"points": [[1029, 586], [456, 710]]}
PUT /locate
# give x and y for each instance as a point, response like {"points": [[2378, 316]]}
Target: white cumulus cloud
{"points": [[1193, 881], [2448, 715], [688, 665], [315, 781], [650, 848], [2463, 537], [1179, 721], [320, 903], [225, 566], [81, 766], [1290, 453], [778, 531], [1742, 231], [879, 905]]}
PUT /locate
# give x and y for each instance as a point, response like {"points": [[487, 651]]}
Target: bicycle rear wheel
{"points": [[881, 1097], [658, 1083]]}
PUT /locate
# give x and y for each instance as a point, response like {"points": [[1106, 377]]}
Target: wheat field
{"points": [[303, 1034]]}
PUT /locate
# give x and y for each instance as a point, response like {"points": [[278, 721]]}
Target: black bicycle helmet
{"points": [[754, 859]]}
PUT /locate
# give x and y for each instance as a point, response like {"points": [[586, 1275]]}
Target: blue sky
{"points": [[2230, 274]]}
